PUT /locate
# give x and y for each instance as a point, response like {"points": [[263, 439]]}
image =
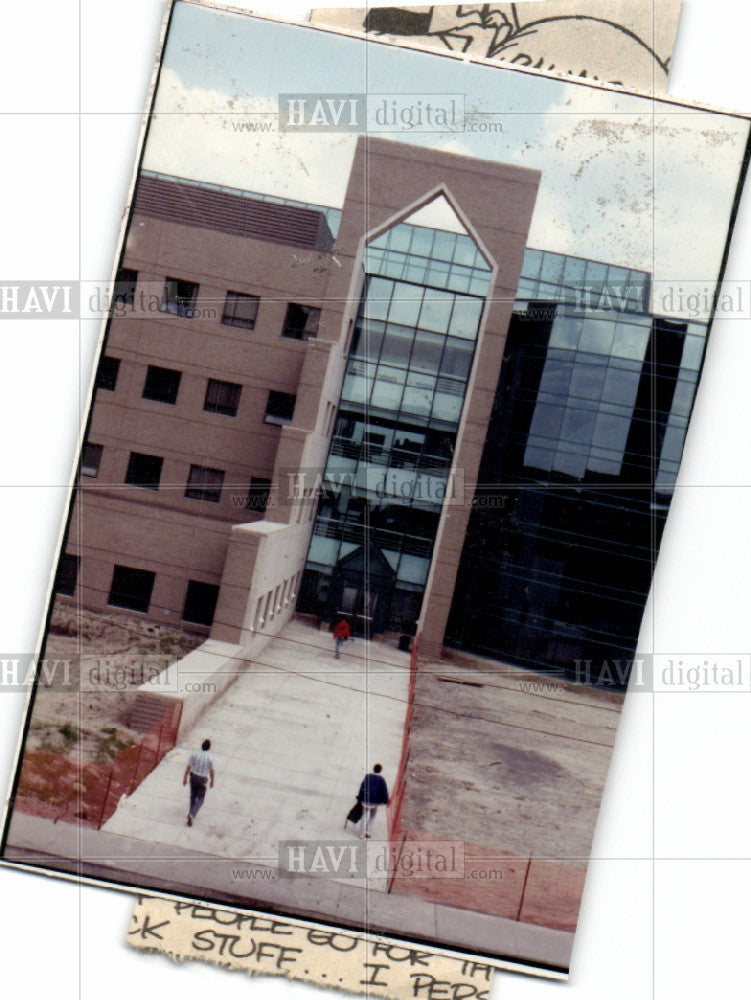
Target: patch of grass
{"points": [[177, 644], [70, 735], [63, 628], [111, 743]]}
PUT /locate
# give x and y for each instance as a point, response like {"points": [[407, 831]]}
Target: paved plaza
{"points": [[291, 741]]}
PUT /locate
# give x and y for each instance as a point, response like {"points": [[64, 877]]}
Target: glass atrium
{"points": [[395, 432]]}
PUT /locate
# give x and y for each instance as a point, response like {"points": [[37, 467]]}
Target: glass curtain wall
{"points": [[395, 432], [580, 460]]}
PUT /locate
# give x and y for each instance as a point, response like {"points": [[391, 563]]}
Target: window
{"points": [[179, 297], [131, 588], [204, 484], [222, 397], [144, 471], [200, 603], [436, 311], [258, 495], [124, 292], [240, 310], [162, 384], [301, 322], [67, 574], [90, 459], [280, 407], [107, 372]]}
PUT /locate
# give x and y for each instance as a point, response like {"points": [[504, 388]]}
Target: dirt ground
{"points": [[83, 701], [494, 761]]}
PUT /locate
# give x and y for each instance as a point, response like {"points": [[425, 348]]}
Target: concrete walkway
{"points": [[95, 854], [291, 740]]}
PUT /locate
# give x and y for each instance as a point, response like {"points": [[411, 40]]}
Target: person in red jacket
{"points": [[341, 634]]}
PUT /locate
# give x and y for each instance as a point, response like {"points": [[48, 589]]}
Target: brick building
{"points": [[304, 407]]}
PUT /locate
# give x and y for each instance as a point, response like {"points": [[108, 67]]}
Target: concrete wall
{"points": [[197, 680], [260, 581]]}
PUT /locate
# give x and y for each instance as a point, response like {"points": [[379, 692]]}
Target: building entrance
{"points": [[361, 588]]}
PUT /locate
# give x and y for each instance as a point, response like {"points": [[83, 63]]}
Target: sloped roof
{"points": [[194, 205]]}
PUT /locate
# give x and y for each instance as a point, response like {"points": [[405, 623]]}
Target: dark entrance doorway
{"points": [[361, 588]]}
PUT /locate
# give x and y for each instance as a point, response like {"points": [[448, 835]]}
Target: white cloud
{"points": [[620, 185], [641, 190], [210, 136]]}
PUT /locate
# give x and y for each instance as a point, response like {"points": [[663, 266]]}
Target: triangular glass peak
{"points": [[437, 214], [431, 246]]}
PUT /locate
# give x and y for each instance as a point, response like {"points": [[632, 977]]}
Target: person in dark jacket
{"points": [[373, 792]]}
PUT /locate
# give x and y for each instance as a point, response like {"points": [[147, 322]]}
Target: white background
{"points": [[666, 908]]}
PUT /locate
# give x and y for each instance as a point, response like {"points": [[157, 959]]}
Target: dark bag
{"points": [[355, 813]]}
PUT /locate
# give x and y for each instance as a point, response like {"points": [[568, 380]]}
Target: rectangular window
{"points": [[107, 372], [162, 384], [200, 603], [124, 292], [258, 495], [144, 471], [66, 577], [301, 322], [280, 407], [90, 459], [179, 297], [240, 310], [204, 484], [222, 397], [131, 588]]}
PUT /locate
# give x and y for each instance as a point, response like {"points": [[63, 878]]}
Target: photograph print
{"points": [[386, 420]]}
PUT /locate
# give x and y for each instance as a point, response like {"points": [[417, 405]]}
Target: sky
{"points": [[624, 180]]}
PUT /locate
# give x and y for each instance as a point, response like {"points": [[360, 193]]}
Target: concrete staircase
{"points": [[148, 711]]}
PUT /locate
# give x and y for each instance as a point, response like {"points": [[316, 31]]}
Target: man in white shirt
{"points": [[200, 770]]}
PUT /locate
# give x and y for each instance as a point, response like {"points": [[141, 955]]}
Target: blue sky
{"points": [[625, 180], [234, 54]]}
